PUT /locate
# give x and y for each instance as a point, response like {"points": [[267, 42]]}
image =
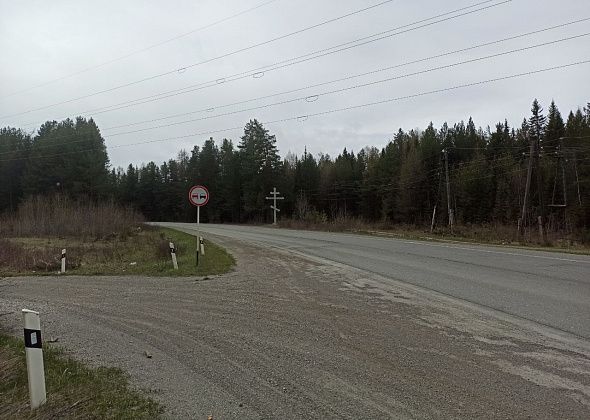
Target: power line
{"points": [[369, 185], [362, 85], [313, 55], [144, 49], [209, 60], [430, 172], [318, 95], [332, 111], [565, 148], [330, 82], [366, 185], [260, 71], [427, 174]]}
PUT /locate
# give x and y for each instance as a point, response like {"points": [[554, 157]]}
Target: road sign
{"points": [[198, 196]]}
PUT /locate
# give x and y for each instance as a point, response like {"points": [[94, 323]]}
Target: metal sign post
{"points": [[274, 207], [198, 196]]}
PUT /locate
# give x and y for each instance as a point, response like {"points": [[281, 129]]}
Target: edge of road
{"points": [[539, 328], [465, 246], [583, 252], [573, 341]]}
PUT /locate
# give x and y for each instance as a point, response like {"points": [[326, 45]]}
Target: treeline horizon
{"points": [[400, 183]]}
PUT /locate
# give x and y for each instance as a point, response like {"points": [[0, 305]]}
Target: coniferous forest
{"points": [[400, 183]]}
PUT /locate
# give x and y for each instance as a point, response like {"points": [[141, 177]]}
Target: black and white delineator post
{"points": [[198, 196], [63, 260], [274, 207], [34, 355], [173, 254]]}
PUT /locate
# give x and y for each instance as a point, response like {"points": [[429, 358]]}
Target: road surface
{"points": [[289, 337], [549, 288]]}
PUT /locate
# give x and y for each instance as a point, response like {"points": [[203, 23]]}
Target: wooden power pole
{"points": [[527, 189], [433, 222], [449, 205], [542, 232]]}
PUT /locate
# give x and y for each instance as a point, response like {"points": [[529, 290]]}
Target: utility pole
{"points": [[577, 181], [559, 167], [449, 206], [433, 222], [540, 191], [563, 182], [274, 207], [527, 188]]}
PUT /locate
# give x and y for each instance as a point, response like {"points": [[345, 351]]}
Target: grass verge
{"points": [[74, 391], [145, 251]]}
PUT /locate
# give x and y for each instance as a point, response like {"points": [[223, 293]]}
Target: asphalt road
{"points": [[549, 288], [286, 337]]}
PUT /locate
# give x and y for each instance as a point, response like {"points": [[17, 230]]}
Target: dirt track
{"points": [[285, 337]]}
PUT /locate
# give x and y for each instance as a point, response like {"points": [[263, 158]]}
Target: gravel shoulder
{"points": [[285, 337]]}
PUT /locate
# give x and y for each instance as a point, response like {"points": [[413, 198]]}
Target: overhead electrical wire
{"points": [[337, 110], [427, 175], [289, 62], [367, 185], [219, 81], [260, 71], [362, 85], [141, 50], [326, 93], [209, 60], [319, 84]]}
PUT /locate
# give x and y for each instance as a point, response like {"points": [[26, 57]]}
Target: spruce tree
{"points": [[537, 122], [260, 168], [555, 127]]}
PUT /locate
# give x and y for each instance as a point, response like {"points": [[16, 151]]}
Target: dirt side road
{"points": [[285, 337]]}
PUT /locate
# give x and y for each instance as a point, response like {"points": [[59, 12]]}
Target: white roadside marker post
{"points": [[63, 260], [202, 242], [34, 355], [173, 253]]}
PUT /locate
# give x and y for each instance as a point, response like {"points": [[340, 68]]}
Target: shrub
{"points": [[59, 216], [18, 257]]}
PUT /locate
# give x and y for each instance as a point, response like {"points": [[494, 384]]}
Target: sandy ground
{"points": [[288, 337]]}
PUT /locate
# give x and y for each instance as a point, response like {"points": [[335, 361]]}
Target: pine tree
{"points": [[68, 157], [149, 190], [260, 168], [208, 175], [555, 129], [537, 122], [14, 151], [410, 201], [229, 189]]}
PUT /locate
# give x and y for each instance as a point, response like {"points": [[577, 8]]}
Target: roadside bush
{"points": [[17, 257], [59, 216]]}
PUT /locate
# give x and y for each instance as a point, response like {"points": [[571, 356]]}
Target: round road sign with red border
{"points": [[198, 195]]}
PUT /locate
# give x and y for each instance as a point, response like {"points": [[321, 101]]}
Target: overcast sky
{"points": [[41, 41]]}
